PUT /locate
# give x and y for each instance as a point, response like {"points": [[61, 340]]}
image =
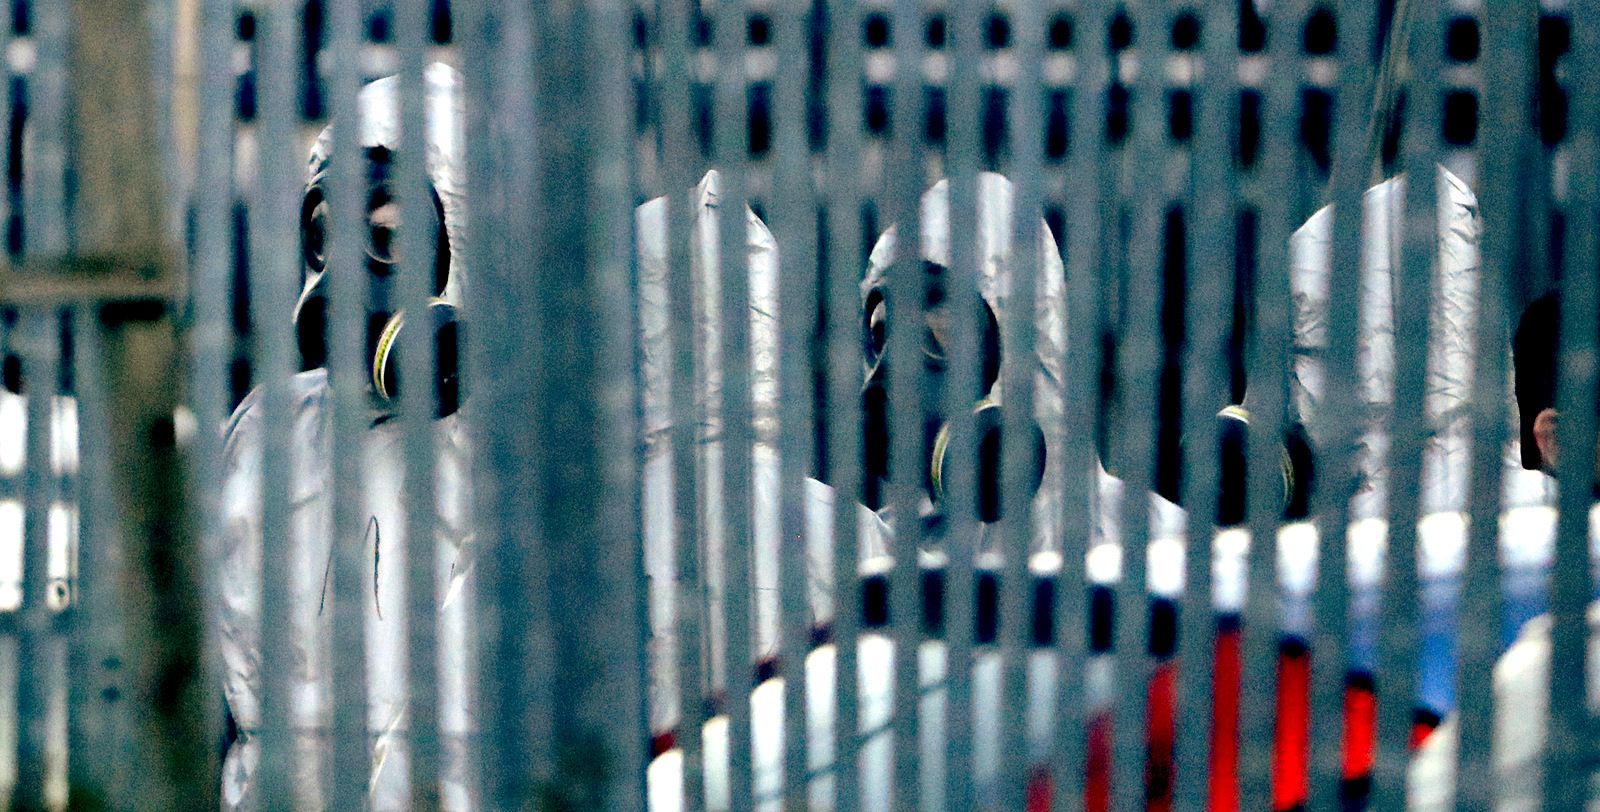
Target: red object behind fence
{"points": [[1291, 745]]}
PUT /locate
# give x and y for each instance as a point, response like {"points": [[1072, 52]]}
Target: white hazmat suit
{"points": [[382, 532]]}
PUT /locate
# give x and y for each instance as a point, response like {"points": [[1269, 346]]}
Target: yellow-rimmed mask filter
{"points": [[447, 342], [877, 332], [988, 419], [1295, 460]]}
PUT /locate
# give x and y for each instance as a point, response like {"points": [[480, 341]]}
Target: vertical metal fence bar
{"points": [[96, 754], [15, 749], [348, 381], [38, 647], [619, 405], [962, 388], [1208, 305], [909, 398], [172, 80], [1569, 729], [1409, 429], [692, 620], [518, 513], [844, 429], [621, 396], [210, 348], [1340, 410], [1507, 52], [1019, 325], [1269, 378], [274, 270], [553, 313], [794, 225], [514, 682], [1537, 209], [1145, 156], [61, 546], [738, 438], [477, 33], [11, 103], [418, 405], [1085, 252]]}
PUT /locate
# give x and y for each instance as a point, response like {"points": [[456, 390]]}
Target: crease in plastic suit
{"points": [[875, 529], [383, 515]]}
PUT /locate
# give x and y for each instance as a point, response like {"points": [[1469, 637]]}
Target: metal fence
{"points": [[835, 405]]}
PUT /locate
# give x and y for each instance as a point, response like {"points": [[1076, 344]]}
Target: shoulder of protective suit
{"points": [[307, 393]]}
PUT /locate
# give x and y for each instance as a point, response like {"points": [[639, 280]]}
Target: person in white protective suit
{"points": [[1522, 674], [1449, 373], [875, 527], [1452, 345], [993, 253], [1528, 519], [658, 501], [1527, 498], [382, 529]]}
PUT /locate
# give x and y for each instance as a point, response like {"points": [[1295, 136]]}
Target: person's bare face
{"points": [[1544, 435]]}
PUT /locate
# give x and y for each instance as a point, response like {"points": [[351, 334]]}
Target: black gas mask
{"points": [[384, 319], [877, 403], [1295, 458]]}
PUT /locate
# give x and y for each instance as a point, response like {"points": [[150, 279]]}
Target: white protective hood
{"points": [[381, 531], [658, 496], [1453, 346], [1449, 385], [993, 248], [444, 159]]}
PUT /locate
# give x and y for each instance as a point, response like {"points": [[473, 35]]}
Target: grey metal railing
{"points": [[662, 470]]}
